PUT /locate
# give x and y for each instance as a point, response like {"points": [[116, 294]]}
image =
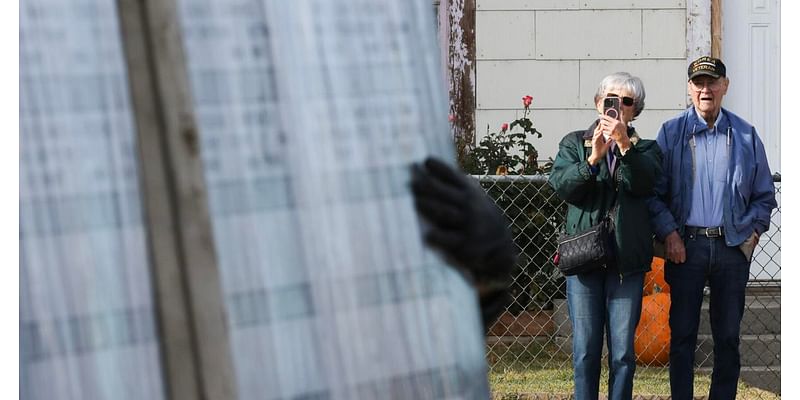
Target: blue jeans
{"points": [[599, 302], [726, 269]]}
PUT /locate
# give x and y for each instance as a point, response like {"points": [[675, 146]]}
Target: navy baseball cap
{"points": [[707, 66]]}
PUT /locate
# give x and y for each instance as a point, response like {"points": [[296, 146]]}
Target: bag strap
{"points": [[612, 210]]}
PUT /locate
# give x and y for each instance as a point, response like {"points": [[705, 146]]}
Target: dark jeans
{"points": [[600, 303], [726, 270]]}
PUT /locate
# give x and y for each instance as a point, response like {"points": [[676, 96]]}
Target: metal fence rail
{"points": [[535, 333]]}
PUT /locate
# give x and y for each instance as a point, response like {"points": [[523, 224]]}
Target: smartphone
{"points": [[611, 107]]}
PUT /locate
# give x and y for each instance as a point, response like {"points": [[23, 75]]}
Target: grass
{"points": [[519, 372]]}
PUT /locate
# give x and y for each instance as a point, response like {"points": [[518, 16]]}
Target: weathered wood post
{"points": [[457, 41]]}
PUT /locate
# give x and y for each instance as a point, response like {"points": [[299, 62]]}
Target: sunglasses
{"points": [[626, 101]]}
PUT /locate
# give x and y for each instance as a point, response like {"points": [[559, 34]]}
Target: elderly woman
{"points": [[608, 168]]}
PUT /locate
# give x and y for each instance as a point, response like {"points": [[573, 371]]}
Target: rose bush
{"points": [[535, 212], [508, 151]]}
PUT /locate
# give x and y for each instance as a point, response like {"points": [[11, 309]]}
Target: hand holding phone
{"points": [[612, 124], [611, 107]]}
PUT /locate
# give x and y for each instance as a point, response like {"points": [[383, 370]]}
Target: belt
{"points": [[712, 232]]}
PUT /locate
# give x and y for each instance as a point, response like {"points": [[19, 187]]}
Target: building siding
{"points": [[558, 51]]}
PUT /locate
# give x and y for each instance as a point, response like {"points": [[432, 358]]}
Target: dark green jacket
{"points": [[590, 197]]}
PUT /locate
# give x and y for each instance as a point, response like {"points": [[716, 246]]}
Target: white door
{"points": [[751, 52]]}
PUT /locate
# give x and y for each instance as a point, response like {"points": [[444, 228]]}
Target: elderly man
{"points": [[711, 205]]}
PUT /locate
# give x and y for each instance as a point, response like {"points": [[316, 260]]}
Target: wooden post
{"points": [[698, 29], [190, 309], [457, 35], [716, 28]]}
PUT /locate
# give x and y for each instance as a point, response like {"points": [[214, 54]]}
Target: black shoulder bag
{"points": [[587, 250]]}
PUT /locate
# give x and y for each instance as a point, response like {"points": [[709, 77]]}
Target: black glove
{"points": [[469, 228]]}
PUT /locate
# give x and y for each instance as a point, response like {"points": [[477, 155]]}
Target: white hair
{"points": [[627, 81]]}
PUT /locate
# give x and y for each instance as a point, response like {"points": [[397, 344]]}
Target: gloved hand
{"points": [[469, 228]]}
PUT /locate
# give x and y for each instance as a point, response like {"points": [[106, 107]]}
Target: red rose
{"points": [[526, 101], [504, 127]]}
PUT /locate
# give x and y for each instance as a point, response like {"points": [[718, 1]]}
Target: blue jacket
{"points": [[749, 193]]}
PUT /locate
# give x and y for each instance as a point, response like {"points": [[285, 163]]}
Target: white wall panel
{"points": [[664, 80], [527, 4], [502, 84], [504, 35], [579, 34], [575, 4], [664, 33], [631, 4], [649, 122]]}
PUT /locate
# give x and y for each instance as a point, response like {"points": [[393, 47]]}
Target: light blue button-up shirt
{"points": [[711, 170]]}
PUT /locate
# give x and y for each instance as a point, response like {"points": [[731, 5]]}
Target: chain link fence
{"points": [[529, 347]]}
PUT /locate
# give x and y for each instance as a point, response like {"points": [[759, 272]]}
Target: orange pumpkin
{"points": [[652, 334], [654, 281]]}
